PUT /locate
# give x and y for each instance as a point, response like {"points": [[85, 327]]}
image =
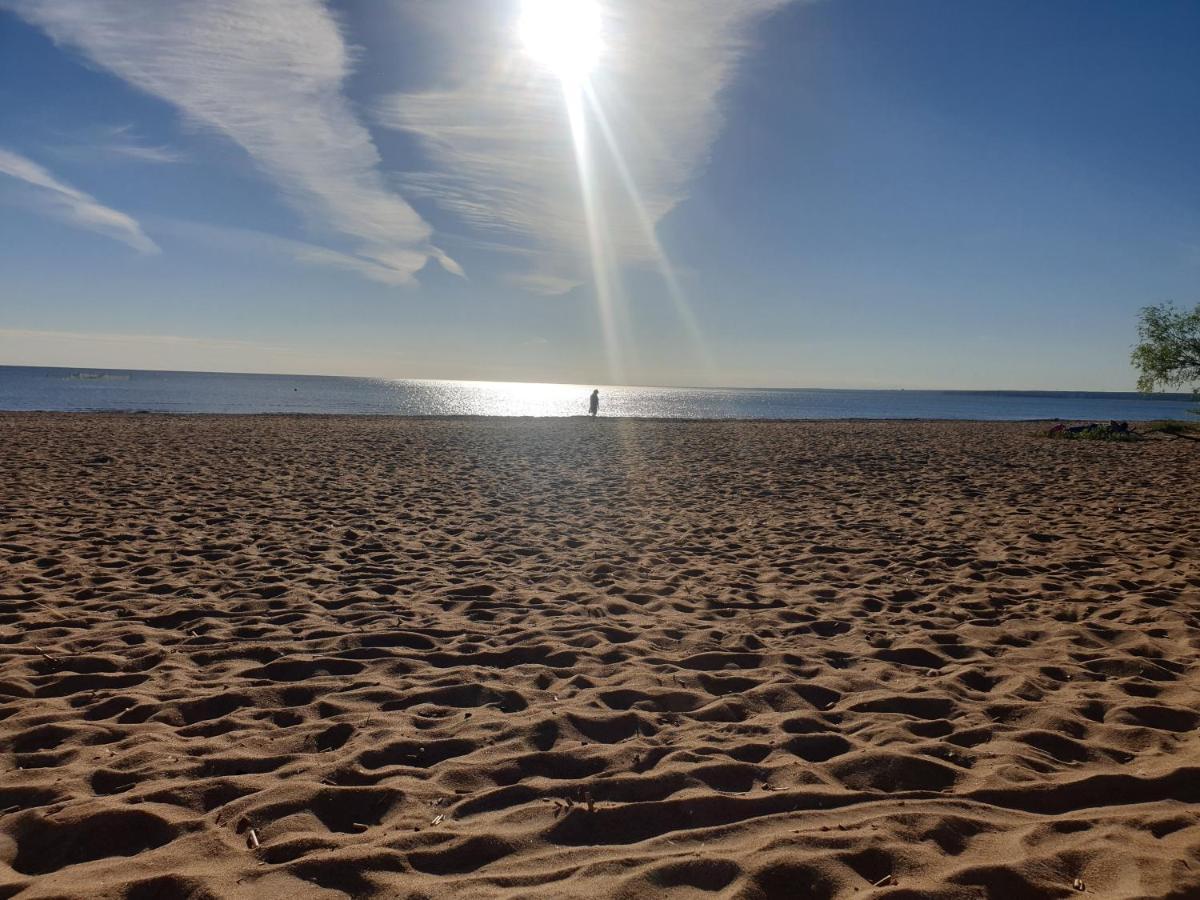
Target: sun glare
{"points": [[566, 38], [562, 35]]}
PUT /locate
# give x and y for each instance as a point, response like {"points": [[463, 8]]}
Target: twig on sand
{"points": [[44, 654], [252, 840], [886, 879]]}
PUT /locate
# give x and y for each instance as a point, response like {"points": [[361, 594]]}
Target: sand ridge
{"points": [[377, 657]]}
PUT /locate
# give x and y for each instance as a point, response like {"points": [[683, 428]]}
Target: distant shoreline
{"points": [[74, 390], [285, 416], [115, 370]]}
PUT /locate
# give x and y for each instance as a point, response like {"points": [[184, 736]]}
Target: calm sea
{"points": [[27, 388]]}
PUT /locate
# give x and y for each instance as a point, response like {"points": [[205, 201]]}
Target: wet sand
{"points": [[317, 657]]}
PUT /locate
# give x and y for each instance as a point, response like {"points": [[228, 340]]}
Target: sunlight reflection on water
{"points": [[27, 388], [483, 398]]}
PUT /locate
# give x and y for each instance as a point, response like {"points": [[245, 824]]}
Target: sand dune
{"points": [[317, 657]]}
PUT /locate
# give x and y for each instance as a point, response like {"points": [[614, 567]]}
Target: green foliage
{"points": [[1168, 350]]}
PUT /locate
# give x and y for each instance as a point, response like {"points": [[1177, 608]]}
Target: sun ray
{"points": [[682, 308], [605, 297], [565, 36]]}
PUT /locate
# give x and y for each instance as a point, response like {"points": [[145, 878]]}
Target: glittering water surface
{"points": [[25, 388]]}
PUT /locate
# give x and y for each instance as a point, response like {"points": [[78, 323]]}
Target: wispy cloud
{"points": [[245, 240], [120, 350], [269, 76], [541, 282], [55, 198], [156, 340], [119, 143], [500, 141]]}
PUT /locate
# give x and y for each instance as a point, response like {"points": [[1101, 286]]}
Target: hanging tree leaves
{"points": [[1168, 350]]}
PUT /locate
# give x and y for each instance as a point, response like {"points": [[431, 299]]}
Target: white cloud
{"points": [[157, 340], [269, 76], [245, 240], [544, 282], [170, 352], [72, 205], [141, 152], [120, 143], [500, 141]]}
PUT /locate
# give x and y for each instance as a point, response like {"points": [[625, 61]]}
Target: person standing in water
{"points": [[594, 403]]}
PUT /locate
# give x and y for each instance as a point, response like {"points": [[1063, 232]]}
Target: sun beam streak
{"points": [[565, 37], [605, 299], [666, 270]]}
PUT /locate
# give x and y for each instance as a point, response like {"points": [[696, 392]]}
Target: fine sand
{"points": [[315, 657]]}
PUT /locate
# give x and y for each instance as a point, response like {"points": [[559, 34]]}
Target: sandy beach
{"points": [[373, 657]]}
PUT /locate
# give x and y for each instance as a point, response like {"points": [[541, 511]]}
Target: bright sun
{"points": [[563, 35]]}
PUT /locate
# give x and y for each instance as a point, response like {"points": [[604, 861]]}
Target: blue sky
{"points": [[841, 193]]}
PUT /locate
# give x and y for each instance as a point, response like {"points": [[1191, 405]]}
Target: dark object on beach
{"points": [[594, 402], [1095, 431], [1173, 428], [99, 460], [1110, 428]]}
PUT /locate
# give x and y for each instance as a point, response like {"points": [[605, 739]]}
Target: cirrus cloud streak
{"points": [[268, 75], [69, 204]]}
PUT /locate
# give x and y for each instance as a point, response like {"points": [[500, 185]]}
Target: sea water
{"points": [[29, 388]]}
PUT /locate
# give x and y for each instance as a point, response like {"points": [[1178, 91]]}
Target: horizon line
{"points": [[673, 387]]}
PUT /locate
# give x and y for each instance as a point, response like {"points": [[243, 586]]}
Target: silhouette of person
{"points": [[594, 403]]}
